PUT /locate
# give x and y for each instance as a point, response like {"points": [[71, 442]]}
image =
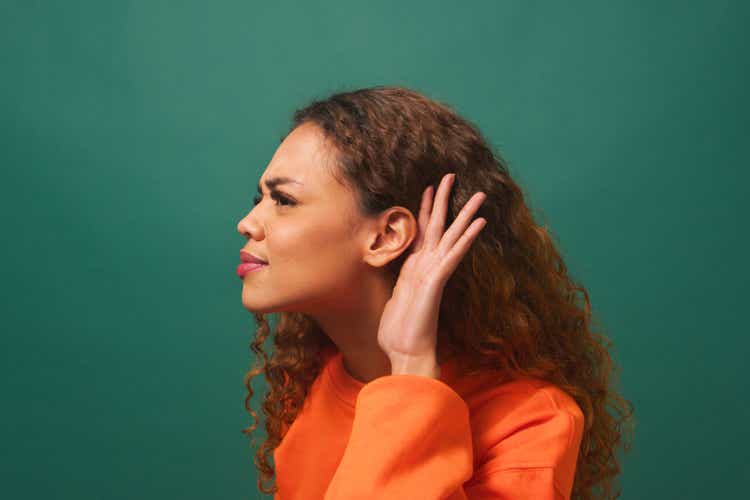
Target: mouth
{"points": [[248, 257], [248, 267]]}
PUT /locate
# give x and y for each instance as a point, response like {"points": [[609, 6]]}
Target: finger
{"points": [[424, 217], [457, 252], [439, 209], [461, 222]]}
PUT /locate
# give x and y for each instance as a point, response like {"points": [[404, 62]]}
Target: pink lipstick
{"points": [[248, 267], [249, 263]]}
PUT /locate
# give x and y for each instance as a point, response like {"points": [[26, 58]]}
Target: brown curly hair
{"points": [[390, 143]]}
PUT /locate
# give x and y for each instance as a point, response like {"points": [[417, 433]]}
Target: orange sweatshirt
{"points": [[414, 437]]}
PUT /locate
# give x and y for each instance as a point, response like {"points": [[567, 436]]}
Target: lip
{"points": [[248, 267], [248, 257]]}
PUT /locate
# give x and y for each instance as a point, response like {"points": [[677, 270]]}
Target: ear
{"points": [[390, 235]]}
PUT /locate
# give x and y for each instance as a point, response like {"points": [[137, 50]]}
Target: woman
{"points": [[429, 343]]}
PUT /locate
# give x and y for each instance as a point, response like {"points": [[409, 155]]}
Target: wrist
{"points": [[409, 365]]}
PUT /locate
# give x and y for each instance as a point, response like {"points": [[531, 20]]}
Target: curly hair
{"points": [[510, 306]]}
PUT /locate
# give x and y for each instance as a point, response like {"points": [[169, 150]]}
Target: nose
{"points": [[248, 227]]}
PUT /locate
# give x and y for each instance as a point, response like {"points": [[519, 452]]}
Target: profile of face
{"points": [[302, 227]]}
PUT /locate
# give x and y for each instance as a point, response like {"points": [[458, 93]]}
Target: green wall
{"points": [[133, 134]]}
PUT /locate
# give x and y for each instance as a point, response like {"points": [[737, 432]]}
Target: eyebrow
{"points": [[275, 181]]}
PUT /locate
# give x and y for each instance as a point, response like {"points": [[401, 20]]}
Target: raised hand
{"points": [[408, 326]]}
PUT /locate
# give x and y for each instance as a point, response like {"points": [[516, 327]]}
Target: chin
{"points": [[258, 308], [254, 305]]}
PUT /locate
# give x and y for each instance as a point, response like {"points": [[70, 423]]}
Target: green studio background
{"points": [[134, 133]]}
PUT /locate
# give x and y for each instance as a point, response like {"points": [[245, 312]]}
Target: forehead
{"points": [[301, 161]]}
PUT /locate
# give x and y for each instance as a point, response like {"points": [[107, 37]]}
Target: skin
{"points": [[327, 261]]}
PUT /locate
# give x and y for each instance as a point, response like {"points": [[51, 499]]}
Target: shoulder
{"points": [[518, 396], [525, 431], [525, 422]]}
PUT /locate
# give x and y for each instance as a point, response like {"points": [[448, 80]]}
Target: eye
{"points": [[281, 200]]}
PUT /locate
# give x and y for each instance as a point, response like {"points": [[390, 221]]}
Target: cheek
{"points": [[326, 247], [308, 245]]}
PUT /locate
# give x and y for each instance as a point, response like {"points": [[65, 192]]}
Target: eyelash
{"points": [[278, 197]]}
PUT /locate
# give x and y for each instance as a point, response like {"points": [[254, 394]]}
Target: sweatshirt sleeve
{"points": [[411, 438]]}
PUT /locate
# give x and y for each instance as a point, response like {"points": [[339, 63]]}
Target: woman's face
{"points": [[302, 228]]}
